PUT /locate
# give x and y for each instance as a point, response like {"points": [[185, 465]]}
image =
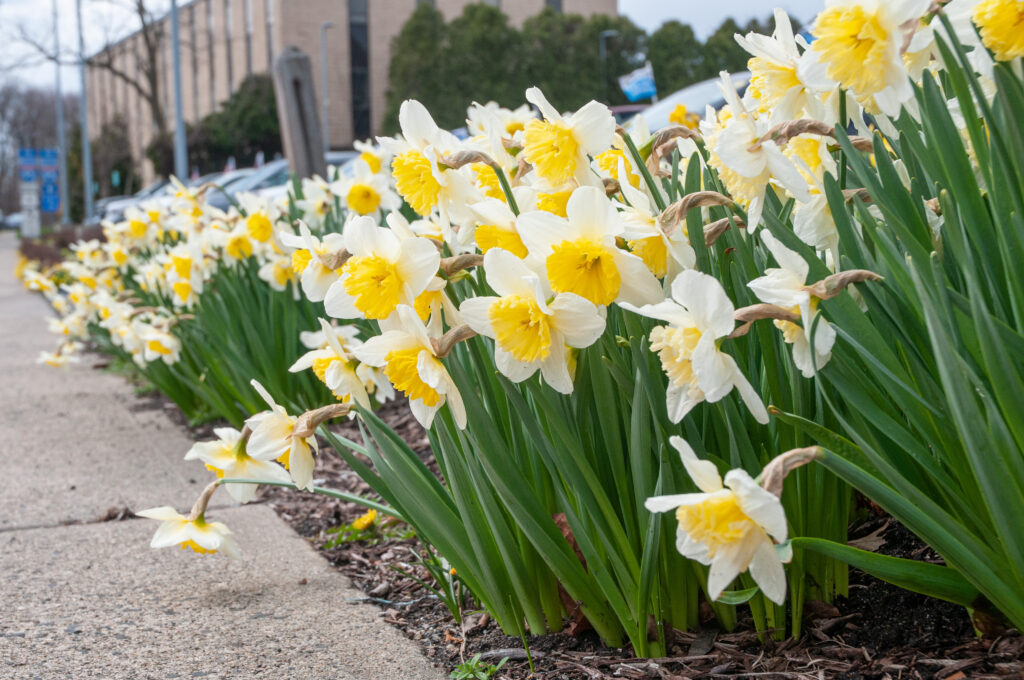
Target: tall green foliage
{"points": [[676, 56]]}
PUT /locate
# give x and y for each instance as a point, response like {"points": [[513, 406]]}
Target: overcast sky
{"points": [[106, 19]]}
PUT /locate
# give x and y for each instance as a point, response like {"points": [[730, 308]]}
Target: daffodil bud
{"points": [[831, 286], [778, 468]]}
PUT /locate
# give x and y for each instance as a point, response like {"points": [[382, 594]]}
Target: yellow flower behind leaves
{"points": [[365, 521]]}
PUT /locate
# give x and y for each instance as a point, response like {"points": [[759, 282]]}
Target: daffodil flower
{"points": [[419, 176], [495, 226], [277, 272], [699, 313], [315, 275], [559, 146], [745, 164], [580, 253], [196, 534], [727, 526], [273, 438], [786, 287], [335, 367], [228, 456], [862, 43], [381, 273], [406, 353], [364, 192], [531, 328], [665, 254], [159, 344], [786, 82]]}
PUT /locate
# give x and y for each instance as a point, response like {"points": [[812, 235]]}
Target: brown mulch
{"points": [[880, 631]]}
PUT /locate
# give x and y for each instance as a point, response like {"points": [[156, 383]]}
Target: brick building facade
{"points": [[223, 41]]}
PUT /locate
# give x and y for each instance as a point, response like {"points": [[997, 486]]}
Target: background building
{"points": [[223, 41]]}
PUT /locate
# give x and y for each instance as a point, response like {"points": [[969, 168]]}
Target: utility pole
{"points": [[326, 122], [62, 152], [180, 151], [86, 148], [610, 33]]}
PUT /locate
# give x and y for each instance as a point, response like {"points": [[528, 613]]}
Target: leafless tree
{"points": [[137, 18], [145, 79], [27, 118]]}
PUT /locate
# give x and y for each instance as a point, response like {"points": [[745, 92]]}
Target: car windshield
{"points": [[262, 178], [695, 97], [152, 189]]}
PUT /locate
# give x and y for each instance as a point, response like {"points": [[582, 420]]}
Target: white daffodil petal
{"points": [[758, 504], [767, 571], [704, 473]]}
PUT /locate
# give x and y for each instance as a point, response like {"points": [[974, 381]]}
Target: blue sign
{"points": [[27, 164], [639, 84], [42, 164]]}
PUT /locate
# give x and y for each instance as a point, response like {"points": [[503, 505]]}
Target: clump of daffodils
{"points": [[529, 240]]}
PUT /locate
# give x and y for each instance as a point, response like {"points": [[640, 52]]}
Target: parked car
{"points": [[696, 98], [12, 221], [272, 179], [339, 164], [114, 210], [623, 112], [274, 172]]}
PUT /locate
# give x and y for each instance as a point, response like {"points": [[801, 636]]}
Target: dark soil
{"points": [[880, 631]]}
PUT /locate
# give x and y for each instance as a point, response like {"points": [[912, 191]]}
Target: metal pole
{"points": [[65, 215], [84, 106], [610, 33], [325, 122], [180, 151]]}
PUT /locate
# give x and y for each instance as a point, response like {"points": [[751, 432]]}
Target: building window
{"points": [[359, 42], [426, 2], [493, 3], [554, 4]]}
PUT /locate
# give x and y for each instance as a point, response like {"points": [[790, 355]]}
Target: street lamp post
{"points": [[610, 33], [325, 98], [84, 106], [62, 152], [180, 150]]}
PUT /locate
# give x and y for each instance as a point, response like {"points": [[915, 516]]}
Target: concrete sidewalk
{"points": [[84, 598]]}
